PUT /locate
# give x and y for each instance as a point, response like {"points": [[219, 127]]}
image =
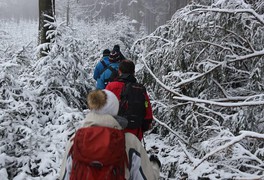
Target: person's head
{"points": [[114, 56], [106, 52], [116, 48], [126, 67], [103, 102]]}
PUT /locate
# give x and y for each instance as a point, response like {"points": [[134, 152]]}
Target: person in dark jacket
{"points": [[116, 49], [126, 74], [102, 64]]}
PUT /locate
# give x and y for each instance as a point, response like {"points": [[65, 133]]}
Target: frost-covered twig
{"points": [[221, 88], [211, 111], [187, 153], [208, 118], [201, 52]]}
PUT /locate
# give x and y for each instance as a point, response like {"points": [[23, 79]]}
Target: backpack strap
{"points": [[113, 70], [103, 63], [105, 67]]}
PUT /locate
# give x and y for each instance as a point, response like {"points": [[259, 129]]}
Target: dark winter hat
{"points": [[103, 102], [116, 48], [127, 67], [106, 52], [114, 56]]}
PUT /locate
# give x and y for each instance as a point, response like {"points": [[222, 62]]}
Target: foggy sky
{"points": [[154, 12], [26, 9]]}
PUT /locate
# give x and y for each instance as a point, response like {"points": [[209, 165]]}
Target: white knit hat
{"points": [[103, 102]]}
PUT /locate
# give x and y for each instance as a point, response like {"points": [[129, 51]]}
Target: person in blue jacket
{"points": [[110, 73], [102, 64]]}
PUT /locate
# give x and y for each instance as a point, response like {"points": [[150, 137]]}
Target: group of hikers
{"points": [[108, 145]]}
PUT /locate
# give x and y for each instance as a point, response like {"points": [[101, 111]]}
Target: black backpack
{"points": [[132, 104]]}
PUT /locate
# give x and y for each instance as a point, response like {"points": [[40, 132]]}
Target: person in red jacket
{"points": [[126, 72]]}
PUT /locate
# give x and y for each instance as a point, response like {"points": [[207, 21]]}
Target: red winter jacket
{"points": [[116, 88]]}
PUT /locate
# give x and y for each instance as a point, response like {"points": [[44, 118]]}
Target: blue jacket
{"points": [[106, 75], [100, 67]]}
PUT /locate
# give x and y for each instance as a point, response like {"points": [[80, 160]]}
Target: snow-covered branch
{"points": [[223, 104], [233, 11], [150, 37], [183, 82], [247, 57], [234, 140]]}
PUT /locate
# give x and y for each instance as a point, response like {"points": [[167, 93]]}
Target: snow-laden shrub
{"points": [[43, 98], [40, 101]]}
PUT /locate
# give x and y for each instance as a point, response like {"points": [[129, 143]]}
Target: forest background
{"points": [[203, 69]]}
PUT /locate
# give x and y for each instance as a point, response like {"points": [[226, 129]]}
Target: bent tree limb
{"points": [[182, 97]]}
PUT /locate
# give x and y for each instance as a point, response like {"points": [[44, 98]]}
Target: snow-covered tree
{"points": [[46, 13], [204, 70]]}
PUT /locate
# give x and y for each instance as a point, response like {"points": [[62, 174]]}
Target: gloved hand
{"points": [[155, 159]]}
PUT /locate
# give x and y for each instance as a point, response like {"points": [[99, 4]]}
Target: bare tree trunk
{"points": [[68, 13], [45, 7]]}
